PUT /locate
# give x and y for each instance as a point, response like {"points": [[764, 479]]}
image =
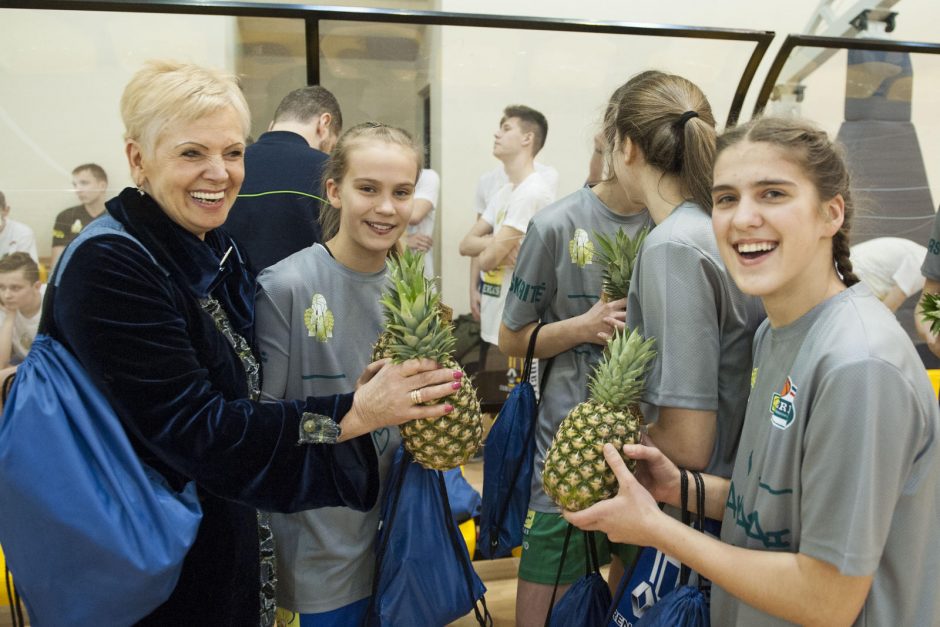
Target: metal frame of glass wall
{"points": [[313, 15], [834, 44]]}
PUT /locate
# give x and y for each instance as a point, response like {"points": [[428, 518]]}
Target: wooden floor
{"points": [[499, 576]]}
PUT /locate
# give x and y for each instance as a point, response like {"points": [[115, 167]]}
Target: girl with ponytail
{"points": [[661, 134], [831, 510]]}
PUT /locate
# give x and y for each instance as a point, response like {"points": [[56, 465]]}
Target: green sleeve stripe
{"points": [[282, 191]]}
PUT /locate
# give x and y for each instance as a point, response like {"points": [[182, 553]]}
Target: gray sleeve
{"points": [[533, 282], [272, 332], [931, 267], [865, 431], [674, 299]]}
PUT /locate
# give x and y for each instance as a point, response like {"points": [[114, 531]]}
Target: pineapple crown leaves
{"points": [[930, 310], [412, 314], [619, 378], [618, 253]]}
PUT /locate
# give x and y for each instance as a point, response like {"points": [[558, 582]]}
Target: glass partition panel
{"points": [[61, 95], [881, 105], [449, 85]]}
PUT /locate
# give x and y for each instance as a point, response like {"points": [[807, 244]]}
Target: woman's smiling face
{"points": [[773, 230], [195, 169]]}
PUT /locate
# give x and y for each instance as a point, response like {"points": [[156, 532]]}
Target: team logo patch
{"points": [[319, 319], [783, 406], [581, 248]]}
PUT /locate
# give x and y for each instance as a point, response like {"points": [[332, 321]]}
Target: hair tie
{"points": [[685, 117]]}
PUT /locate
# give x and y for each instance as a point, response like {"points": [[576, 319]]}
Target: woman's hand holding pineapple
{"points": [[384, 394]]}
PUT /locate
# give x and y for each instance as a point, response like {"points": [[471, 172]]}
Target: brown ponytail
{"points": [[671, 121], [821, 160]]}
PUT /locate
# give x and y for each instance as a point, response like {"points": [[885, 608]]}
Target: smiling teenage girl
{"points": [[831, 511], [318, 314]]}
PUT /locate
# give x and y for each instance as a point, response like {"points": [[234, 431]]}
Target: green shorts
{"points": [[543, 538]]}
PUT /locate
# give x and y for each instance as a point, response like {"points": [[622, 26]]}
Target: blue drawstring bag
{"points": [[423, 574], [464, 501], [91, 535], [655, 592], [508, 460], [587, 600]]}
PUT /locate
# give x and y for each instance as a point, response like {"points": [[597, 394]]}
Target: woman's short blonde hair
{"points": [[165, 92]]}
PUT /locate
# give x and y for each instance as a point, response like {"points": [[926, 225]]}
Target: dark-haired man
{"points": [[277, 211], [90, 183], [495, 237]]}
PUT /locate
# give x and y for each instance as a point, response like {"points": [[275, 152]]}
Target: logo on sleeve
{"points": [[319, 319], [581, 248], [783, 406]]}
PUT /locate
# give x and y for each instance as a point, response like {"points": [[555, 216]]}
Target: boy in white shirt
{"points": [[495, 237], [21, 295]]}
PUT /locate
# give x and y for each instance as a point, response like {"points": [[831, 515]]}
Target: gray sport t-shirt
{"points": [[857, 483], [931, 267], [316, 322], [558, 276], [683, 296]]}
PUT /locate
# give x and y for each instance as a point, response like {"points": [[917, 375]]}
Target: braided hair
{"points": [[820, 158]]}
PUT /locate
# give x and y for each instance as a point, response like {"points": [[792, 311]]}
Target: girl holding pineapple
{"points": [[663, 137], [317, 316], [559, 279], [830, 513]]}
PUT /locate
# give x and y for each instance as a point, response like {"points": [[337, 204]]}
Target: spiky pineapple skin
{"points": [[452, 439], [575, 475], [418, 325]]}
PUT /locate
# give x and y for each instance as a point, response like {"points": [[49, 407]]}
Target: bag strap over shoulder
{"points": [[104, 225]]}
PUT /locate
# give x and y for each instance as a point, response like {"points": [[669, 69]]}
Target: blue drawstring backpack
{"points": [[655, 591], [464, 500], [91, 535], [423, 574], [508, 459], [587, 601]]}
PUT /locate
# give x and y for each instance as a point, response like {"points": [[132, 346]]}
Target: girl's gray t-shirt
{"points": [[683, 296], [316, 322], [839, 460], [558, 276]]}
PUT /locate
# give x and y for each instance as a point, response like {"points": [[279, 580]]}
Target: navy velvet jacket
{"points": [[181, 392]]}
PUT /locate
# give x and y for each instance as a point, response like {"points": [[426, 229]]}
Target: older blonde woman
{"points": [[166, 332]]}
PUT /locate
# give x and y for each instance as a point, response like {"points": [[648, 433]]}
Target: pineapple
{"points": [[618, 253], [575, 474], [930, 311], [417, 325]]}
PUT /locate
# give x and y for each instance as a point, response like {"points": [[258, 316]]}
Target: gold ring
{"points": [[415, 397]]}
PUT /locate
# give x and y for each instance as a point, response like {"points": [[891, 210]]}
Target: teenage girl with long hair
{"points": [[663, 135], [558, 280], [830, 514], [318, 315]]}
